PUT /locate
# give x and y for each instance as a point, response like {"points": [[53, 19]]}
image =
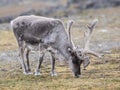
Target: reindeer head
{"points": [[80, 56]]}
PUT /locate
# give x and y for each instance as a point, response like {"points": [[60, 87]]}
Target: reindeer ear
{"points": [[86, 62]]}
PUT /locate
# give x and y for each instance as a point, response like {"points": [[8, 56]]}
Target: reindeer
{"points": [[36, 33], [52, 53]]}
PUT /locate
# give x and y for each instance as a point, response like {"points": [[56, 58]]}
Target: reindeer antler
{"points": [[69, 25], [88, 34]]}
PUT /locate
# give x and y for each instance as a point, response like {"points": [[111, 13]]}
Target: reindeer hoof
{"points": [[28, 73], [37, 73], [53, 74]]}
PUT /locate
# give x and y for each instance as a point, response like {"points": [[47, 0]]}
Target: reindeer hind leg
{"points": [[27, 60], [21, 53]]}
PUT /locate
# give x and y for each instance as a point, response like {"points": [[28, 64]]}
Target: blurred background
{"points": [[9, 9], [106, 36], [105, 39]]}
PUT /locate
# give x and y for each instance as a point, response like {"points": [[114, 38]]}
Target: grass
{"points": [[101, 74], [7, 41]]}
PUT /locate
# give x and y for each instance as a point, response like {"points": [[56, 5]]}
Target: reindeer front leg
{"points": [[53, 73], [37, 71]]}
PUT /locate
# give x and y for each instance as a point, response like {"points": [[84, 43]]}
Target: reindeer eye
{"points": [[80, 54]]}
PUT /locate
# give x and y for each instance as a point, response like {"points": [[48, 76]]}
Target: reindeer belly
{"points": [[37, 47], [33, 47]]}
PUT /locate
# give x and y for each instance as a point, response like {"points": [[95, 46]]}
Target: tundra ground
{"points": [[101, 74]]}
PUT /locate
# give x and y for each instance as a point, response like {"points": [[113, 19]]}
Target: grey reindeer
{"points": [[52, 53], [36, 33]]}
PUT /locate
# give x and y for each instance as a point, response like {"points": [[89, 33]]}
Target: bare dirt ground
{"points": [[101, 74]]}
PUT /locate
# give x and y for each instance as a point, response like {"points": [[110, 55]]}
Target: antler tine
{"points": [[69, 25], [92, 25], [87, 39]]}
